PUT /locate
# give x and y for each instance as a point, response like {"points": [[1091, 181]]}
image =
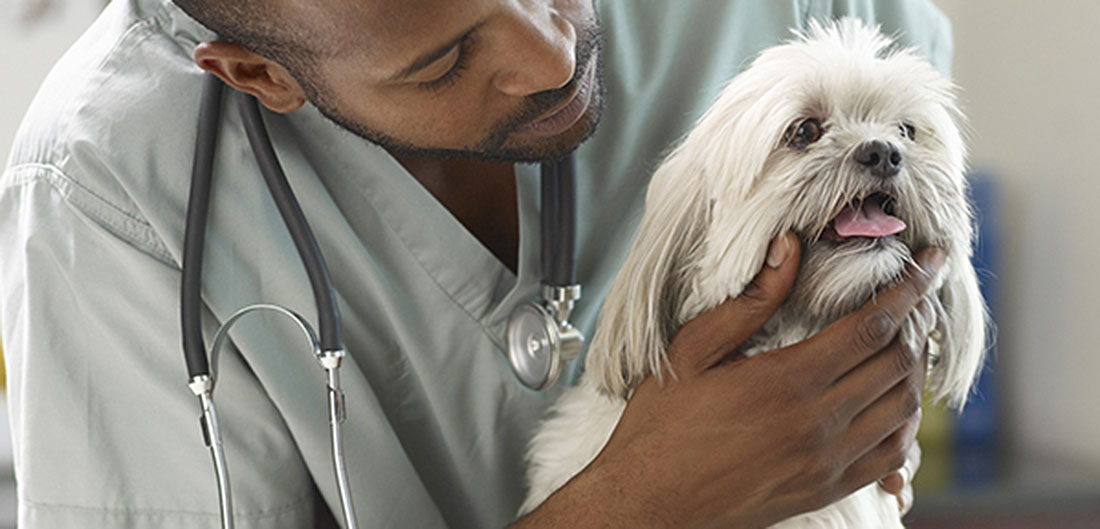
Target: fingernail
{"points": [[778, 251], [932, 261]]}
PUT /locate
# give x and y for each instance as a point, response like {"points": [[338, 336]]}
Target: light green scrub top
{"points": [[92, 206]]}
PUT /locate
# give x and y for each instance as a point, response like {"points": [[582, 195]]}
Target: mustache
{"points": [[536, 105]]}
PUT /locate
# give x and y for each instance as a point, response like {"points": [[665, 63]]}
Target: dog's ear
{"points": [[701, 239], [734, 142], [958, 343], [639, 314]]}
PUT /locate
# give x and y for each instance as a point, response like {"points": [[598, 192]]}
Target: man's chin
{"points": [[510, 150], [535, 151]]}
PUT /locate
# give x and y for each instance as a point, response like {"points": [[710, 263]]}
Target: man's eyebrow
{"points": [[433, 55]]}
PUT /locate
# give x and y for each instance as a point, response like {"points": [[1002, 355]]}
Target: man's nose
{"points": [[540, 55]]}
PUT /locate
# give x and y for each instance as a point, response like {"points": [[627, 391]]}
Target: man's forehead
{"points": [[390, 30]]}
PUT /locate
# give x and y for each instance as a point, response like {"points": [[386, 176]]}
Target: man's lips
{"points": [[565, 115]]}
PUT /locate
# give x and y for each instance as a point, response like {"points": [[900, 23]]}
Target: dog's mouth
{"points": [[870, 217]]}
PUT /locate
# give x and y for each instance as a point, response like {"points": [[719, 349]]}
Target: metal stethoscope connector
{"points": [[540, 337]]}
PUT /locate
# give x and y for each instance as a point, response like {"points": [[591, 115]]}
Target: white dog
{"points": [[842, 137]]}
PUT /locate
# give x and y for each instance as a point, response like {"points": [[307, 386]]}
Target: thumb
{"points": [[706, 340]]}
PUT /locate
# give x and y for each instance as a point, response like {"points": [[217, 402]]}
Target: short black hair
{"points": [[259, 26]]}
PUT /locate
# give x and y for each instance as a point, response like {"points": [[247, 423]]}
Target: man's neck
{"points": [[481, 195]]}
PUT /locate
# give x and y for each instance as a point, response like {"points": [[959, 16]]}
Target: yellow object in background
{"points": [[936, 438]]}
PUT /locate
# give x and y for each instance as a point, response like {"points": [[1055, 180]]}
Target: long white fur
{"points": [[734, 183]]}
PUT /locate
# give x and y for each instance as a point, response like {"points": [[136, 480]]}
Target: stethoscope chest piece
{"points": [[540, 337]]}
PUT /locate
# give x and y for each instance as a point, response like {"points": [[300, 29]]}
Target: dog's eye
{"points": [[908, 130], [803, 133]]}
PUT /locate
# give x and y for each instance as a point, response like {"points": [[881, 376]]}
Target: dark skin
{"points": [[517, 52], [730, 442], [481, 195], [774, 435]]}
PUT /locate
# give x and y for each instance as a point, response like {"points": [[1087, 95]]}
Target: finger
{"points": [[869, 381], [900, 483], [884, 458], [853, 339], [897, 411], [905, 498], [705, 340], [896, 482]]}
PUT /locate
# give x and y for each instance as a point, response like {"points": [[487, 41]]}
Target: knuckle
{"points": [[914, 420], [815, 435], [927, 311], [891, 455], [752, 294], [897, 452], [915, 286], [904, 359], [917, 282], [821, 471], [875, 330], [754, 301], [914, 386], [910, 405], [810, 438]]}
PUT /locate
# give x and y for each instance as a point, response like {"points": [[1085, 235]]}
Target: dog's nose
{"points": [[881, 158]]}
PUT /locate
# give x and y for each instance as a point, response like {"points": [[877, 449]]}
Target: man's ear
{"points": [[251, 73]]}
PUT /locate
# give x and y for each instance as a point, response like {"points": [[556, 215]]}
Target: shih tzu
{"points": [[851, 142]]}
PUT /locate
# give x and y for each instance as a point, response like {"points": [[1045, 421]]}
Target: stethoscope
{"points": [[540, 339]]}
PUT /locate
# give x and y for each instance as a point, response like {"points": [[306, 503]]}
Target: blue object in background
{"points": [[976, 430]]}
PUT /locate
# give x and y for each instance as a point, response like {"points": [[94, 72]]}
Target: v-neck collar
{"points": [[449, 254], [455, 259]]}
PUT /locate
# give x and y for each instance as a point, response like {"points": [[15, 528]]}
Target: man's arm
{"points": [[737, 442]]}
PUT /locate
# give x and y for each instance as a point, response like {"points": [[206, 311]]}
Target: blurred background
{"points": [[1026, 453]]}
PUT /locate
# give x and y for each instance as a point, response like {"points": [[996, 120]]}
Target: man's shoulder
{"points": [[118, 77], [114, 114]]}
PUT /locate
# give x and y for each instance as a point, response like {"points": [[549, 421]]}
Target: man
{"points": [[430, 232]]}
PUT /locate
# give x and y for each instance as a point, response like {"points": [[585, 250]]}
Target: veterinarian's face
{"points": [[510, 80]]}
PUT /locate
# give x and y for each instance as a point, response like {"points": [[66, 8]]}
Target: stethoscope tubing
{"points": [[194, 238], [558, 230], [328, 348], [558, 226], [328, 312]]}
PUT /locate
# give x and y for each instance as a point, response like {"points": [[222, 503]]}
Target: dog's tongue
{"points": [[867, 221]]}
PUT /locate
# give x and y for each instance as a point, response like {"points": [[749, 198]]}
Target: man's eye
{"points": [[451, 76]]}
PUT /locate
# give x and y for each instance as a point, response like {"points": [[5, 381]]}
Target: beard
{"points": [[495, 146]]}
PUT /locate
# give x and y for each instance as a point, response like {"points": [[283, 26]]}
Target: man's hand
{"points": [[900, 482], [747, 442]]}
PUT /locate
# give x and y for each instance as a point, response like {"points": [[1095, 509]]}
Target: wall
{"points": [[1031, 85]]}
